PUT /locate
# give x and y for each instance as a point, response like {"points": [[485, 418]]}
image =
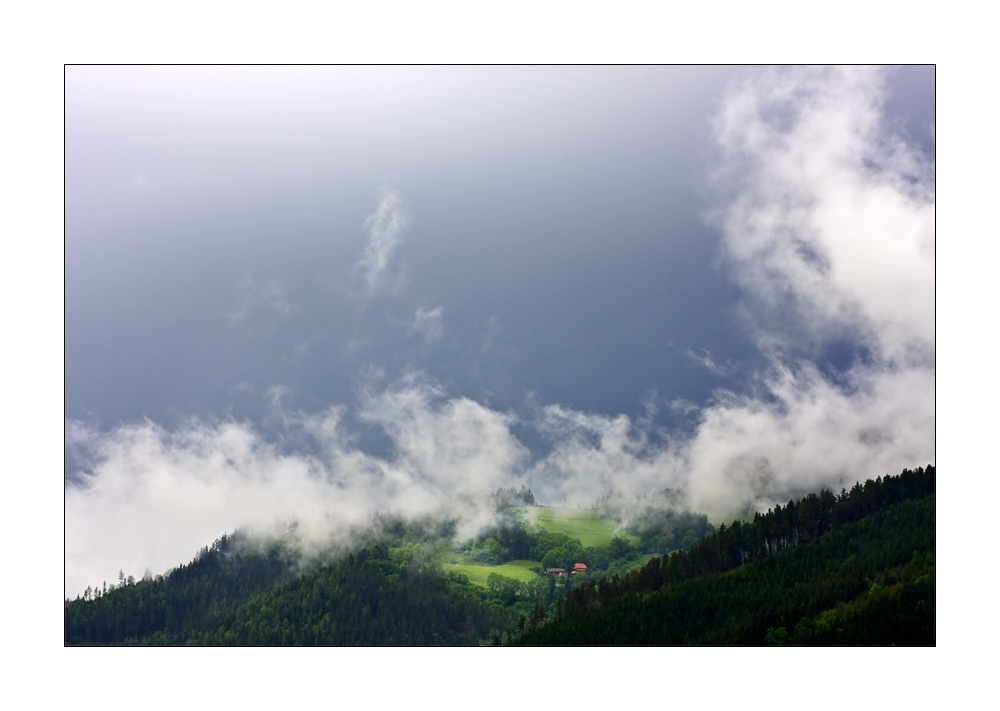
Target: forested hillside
{"points": [[857, 568], [378, 595], [189, 598]]}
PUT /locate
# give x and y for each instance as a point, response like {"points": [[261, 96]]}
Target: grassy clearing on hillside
{"points": [[477, 574], [585, 524]]}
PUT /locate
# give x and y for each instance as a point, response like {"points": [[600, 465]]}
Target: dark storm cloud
{"points": [[555, 202]]}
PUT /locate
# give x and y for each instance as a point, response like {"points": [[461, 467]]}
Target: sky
{"points": [[311, 293]]}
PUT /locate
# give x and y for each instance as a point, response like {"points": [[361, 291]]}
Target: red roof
{"points": [[579, 566]]}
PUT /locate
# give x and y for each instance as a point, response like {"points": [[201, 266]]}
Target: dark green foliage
{"points": [[377, 596], [857, 568], [517, 593], [235, 593], [189, 598], [508, 538], [514, 539], [488, 551], [556, 550], [507, 498], [783, 528], [394, 527], [511, 537], [663, 531], [853, 569], [901, 613], [372, 597], [657, 520]]}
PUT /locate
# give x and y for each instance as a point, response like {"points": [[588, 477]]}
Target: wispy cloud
{"points": [[705, 360], [493, 327], [385, 229], [429, 324], [270, 297]]}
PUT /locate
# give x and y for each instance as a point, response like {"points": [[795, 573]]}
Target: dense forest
{"points": [[392, 590], [380, 595], [856, 568], [658, 521]]}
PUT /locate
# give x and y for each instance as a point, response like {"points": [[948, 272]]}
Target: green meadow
{"points": [[478, 573], [585, 524]]}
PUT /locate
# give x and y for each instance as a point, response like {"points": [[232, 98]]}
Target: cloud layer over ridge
{"points": [[827, 225]]}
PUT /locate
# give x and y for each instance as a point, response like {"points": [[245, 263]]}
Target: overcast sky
{"points": [[312, 293]]}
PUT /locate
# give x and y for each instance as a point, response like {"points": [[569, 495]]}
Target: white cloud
{"points": [[830, 212], [829, 227], [808, 434], [594, 454], [385, 233], [450, 444], [706, 360], [429, 324], [271, 297], [152, 498]]}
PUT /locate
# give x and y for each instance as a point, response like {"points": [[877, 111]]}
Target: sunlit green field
{"points": [[585, 524], [477, 574]]}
